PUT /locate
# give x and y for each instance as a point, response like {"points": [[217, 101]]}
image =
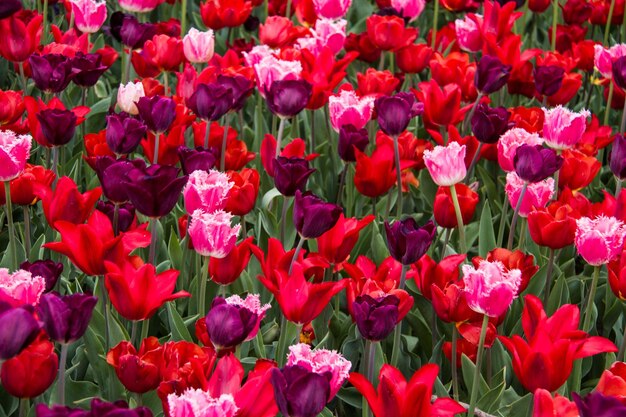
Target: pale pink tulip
{"points": [[14, 152], [212, 233], [271, 69], [206, 191], [198, 46], [89, 15], [446, 164], [252, 302], [331, 9], [563, 128], [128, 95], [599, 240], [348, 109], [510, 141], [537, 194], [140, 6], [198, 403], [331, 33], [490, 289], [256, 54], [20, 287], [321, 361], [603, 58], [410, 9], [468, 33]]}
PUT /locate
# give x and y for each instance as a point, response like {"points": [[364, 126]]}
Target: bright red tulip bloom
{"points": [[553, 226], [617, 276], [552, 345], [376, 83], [389, 33], [11, 107], [243, 194], [66, 203], [23, 187], [323, 73], [165, 52], [428, 272], [363, 45], [336, 244], [547, 406], [226, 270], [375, 174], [227, 13], [455, 68], [578, 170], [512, 260], [443, 208], [139, 371], [613, 382], [413, 58], [397, 397], [467, 344], [442, 106], [237, 154], [21, 34]]}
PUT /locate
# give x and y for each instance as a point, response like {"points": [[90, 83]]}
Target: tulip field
{"points": [[312, 208]]}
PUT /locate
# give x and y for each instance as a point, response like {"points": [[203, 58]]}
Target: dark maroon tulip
{"points": [[407, 242], [619, 72], [18, 328], [57, 126], [596, 404], [291, 174], [198, 159], [417, 107], [394, 113], [9, 7], [154, 190], [227, 325], [66, 317], [299, 392], [548, 79], [251, 24], [313, 216], [536, 163], [43, 410], [88, 69], [49, 270], [51, 72], [125, 213], [376, 317], [240, 87], [113, 176], [157, 112], [286, 98], [210, 101], [491, 74], [99, 408], [350, 138], [127, 29], [488, 123], [124, 133], [617, 161]]}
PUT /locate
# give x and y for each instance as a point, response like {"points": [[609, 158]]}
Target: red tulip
{"points": [[363, 45], [413, 58], [389, 33], [553, 226], [237, 154], [467, 344], [441, 105], [613, 382], [547, 406], [95, 146], [323, 73], [242, 196], [360, 285], [443, 208], [455, 68], [11, 107], [226, 270], [138, 371], [617, 276], [23, 187], [376, 83], [165, 52], [375, 175], [578, 170], [279, 31], [226, 13], [66, 203], [336, 244], [428, 272], [21, 33]]}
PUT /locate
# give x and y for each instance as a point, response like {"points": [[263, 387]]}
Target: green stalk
{"points": [[459, 218], [607, 28], [61, 375], [433, 39], [44, 32], [183, 19], [479, 360], [223, 153], [455, 376], [555, 15], [153, 240], [204, 277], [397, 332], [9, 211], [370, 362], [590, 300], [609, 99], [515, 216], [546, 293], [396, 151]]}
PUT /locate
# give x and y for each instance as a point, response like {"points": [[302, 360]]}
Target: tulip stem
{"points": [[145, 326], [433, 34], [555, 15], [468, 119], [153, 240], [622, 126], [22, 76], [128, 62], [509, 245], [397, 331], [204, 277], [116, 219], [61, 375], [454, 370], [9, 210], [479, 360], [287, 330], [342, 184], [133, 334], [208, 134], [607, 28], [609, 99], [622, 347], [24, 407], [105, 313], [396, 151], [470, 170], [279, 135], [590, 300], [55, 163], [27, 244], [459, 218], [223, 153], [546, 294], [183, 18], [370, 362], [44, 32], [295, 254], [157, 138]]}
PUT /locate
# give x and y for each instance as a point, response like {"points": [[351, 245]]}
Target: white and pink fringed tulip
{"points": [[321, 361], [14, 152], [20, 287], [599, 240], [490, 289], [89, 15], [537, 194], [198, 403], [348, 109], [206, 191], [212, 234]]}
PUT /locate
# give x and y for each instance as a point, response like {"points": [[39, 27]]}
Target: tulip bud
{"points": [[491, 74], [157, 112], [198, 46], [212, 234], [312, 216], [14, 152], [376, 318], [57, 126], [536, 163], [407, 242], [619, 72], [286, 98], [490, 289], [125, 214], [198, 159], [66, 318], [351, 138], [51, 72], [291, 174], [617, 161], [128, 95], [548, 79], [210, 101], [488, 123], [124, 133], [49, 270], [18, 328], [89, 15]]}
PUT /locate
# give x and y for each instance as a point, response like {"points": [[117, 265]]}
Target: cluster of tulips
{"points": [[304, 208]]}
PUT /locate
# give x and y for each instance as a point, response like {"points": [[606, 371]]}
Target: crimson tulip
{"points": [[553, 226], [336, 244], [23, 188], [56, 202], [375, 175], [21, 34], [443, 208], [138, 370], [389, 33], [230, 13], [226, 270], [242, 196]]}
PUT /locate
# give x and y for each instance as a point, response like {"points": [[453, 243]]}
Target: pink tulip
{"points": [[409, 9], [206, 191], [537, 194], [599, 240], [327, 32], [490, 289], [468, 33], [199, 47], [348, 109], [140, 6], [256, 54], [563, 128], [14, 152], [271, 69], [20, 287], [89, 15], [446, 164], [331, 9], [252, 302], [198, 403], [128, 95], [321, 361], [603, 58], [510, 141], [211, 233]]}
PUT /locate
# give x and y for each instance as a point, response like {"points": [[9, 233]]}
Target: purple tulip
{"points": [[57, 126], [18, 328], [44, 410], [154, 190], [617, 161], [210, 101], [124, 133], [157, 112], [596, 404], [127, 29], [113, 176], [286, 98], [299, 392], [240, 87], [619, 72], [376, 317], [350, 138], [99, 408], [395, 113], [488, 123], [291, 174], [491, 74], [125, 213], [66, 317], [51, 72], [313, 216], [548, 79], [49, 270], [9, 7], [406, 241], [229, 325], [536, 163], [88, 69], [198, 159]]}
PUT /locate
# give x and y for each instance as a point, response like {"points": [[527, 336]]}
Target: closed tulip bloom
{"points": [[113, 176], [138, 371], [544, 405], [270, 69], [536, 163], [226, 270], [242, 196], [619, 72], [348, 109], [510, 141], [563, 128], [599, 240], [210, 101], [57, 126], [49, 270], [375, 318], [291, 174], [321, 361], [51, 72], [241, 88], [537, 194], [491, 74], [89, 15], [18, 328], [617, 161], [443, 207], [331, 9], [125, 214], [407, 242], [124, 133], [228, 325], [287, 98], [206, 191], [21, 287], [66, 194], [393, 114], [128, 95], [409, 9], [66, 317], [212, 234], [139, 6], [14, 152], [313, 216], [603, 58], [548, 79], [446, 164], [554, 227], [128, 30], [88, 68], [157, 112], [197, 159], [198, 46], [199, 403], [154, 190], [489, 123], [490, 289], [596, 404], [351, 138]]}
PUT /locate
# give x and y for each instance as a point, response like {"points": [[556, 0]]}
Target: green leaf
{"points": [[177, 325], [175, 251], [469, 368], [486, 234]]}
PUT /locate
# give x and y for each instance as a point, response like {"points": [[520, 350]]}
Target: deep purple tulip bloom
{"points": [[99, 408], [394, 113], [299, 392], [227, 325], [44, 410], [127, 29], [51, 72], [617, 161], [18, 328], [113, 176], [596, 404], [66, 317], [536, 163], [154, 190], [240, 87], [548, 79], [88, 69], [286, 98], [376, 317], [619, 72], [157, 112], [198, 159], [57, 126], [125, 213], [291, 174], [407, 242], [49, 270], [491, 74], [9, 7], [349, 138], [124, 133], [488, 123], [313, 216], [210, 101]]}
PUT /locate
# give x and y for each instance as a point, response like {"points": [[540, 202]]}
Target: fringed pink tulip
{"points": [[321, 361], [348, 109], [510, 141], [446, 164], [563, 128], [603, 58], [212, 234], [252, 303], [490, 289], [270, 69], [89, 15], [206, 191], [14, 152], [599, 240], [198, 46], [409, 9], [331, 9], [198, 403], [327, 32], [128, 95], [537, 194], [20, 287]]}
